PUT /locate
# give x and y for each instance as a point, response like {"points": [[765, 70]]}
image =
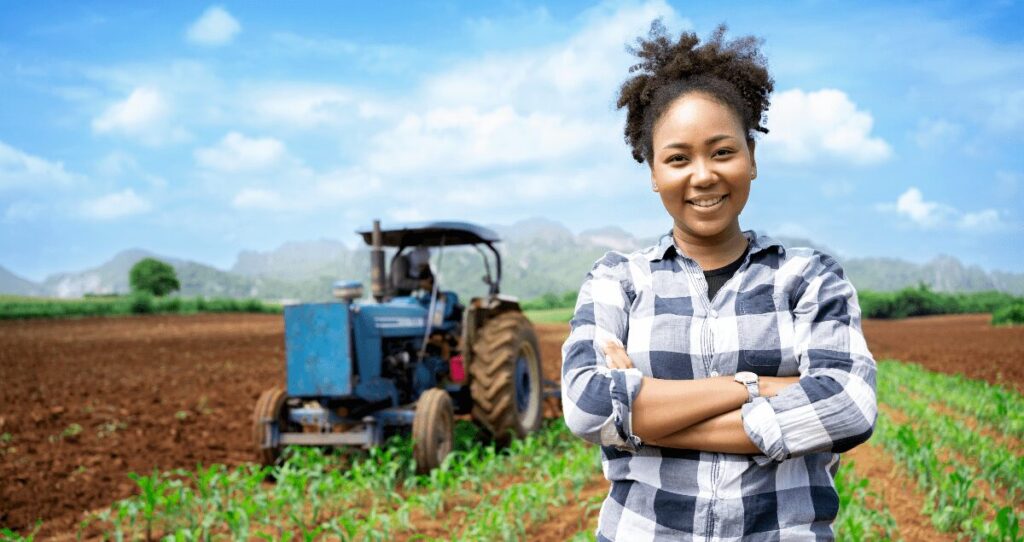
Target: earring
{"points": [[753, 173]]}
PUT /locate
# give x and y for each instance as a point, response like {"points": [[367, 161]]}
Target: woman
{"points": [[721, 372]]}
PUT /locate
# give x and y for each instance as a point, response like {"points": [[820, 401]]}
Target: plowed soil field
{"points": [[84, 402]]}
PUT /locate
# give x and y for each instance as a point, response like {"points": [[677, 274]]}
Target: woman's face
{"points": [[702, 167]]}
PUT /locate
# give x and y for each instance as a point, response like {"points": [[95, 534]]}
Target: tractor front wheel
{"points": [[433, 429], [506, 384], [270, 418]]}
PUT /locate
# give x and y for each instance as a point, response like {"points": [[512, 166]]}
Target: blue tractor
{"points": [[410, 361]]}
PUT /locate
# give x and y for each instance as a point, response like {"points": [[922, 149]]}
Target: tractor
{"points": [[361, 371]]}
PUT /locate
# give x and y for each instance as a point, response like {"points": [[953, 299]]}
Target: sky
{"points": [[197, 130]]}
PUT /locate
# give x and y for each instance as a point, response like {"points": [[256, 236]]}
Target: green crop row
{"points": [[950, 502], [995, 464], [375, 495], [138, 303], [997, 407], [315, 495], [953, 501], [859, 520]]}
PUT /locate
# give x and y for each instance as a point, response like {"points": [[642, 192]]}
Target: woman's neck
{"points": [[712, 253]]}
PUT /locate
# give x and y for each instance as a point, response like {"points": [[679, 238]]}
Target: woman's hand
{"points": [[616, 356]]}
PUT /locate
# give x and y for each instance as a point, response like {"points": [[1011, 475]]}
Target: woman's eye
{"points": [[677, 158], [723, 152]]}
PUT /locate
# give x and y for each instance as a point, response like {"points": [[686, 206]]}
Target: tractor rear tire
{"points": [[506, 380], [433, 429], [269, 407]]}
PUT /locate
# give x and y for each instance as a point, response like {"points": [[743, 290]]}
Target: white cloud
{"points": [[115, 205], [259, 198], [561, 77], [144, 114], [935, 215], [925, 213], [119, 164], [214, 27], [22, 211], [494, 119], [305, 106], [143, 108], [20, 169], [932, 133], [455, 140], [825, 124], [985, 220], [236, 152], [308, 190]]}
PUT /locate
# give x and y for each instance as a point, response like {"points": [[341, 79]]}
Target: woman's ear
{"points": [[654, 183], [753, 161]]}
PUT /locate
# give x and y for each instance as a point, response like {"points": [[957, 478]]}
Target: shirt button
{"points": [[714, 373], [714, 313]]}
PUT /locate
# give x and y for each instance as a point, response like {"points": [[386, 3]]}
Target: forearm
{"points": [[722, 433], [665, 407]]}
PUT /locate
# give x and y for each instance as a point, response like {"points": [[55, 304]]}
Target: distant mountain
{"points": [[109, 278], [15, 285], [538, 256]]}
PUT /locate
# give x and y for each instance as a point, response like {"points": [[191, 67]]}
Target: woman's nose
{"points": [[702, 174]]}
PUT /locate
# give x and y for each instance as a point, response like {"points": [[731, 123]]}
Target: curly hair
{"points": [[733, 72]]}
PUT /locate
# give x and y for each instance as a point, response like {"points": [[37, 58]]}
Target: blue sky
{"points": [[197, 130]]}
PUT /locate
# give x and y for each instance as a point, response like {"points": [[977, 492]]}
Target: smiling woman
{"points": [[721, 372]]}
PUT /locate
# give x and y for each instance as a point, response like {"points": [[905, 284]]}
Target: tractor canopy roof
{"points": [[433, 234]]}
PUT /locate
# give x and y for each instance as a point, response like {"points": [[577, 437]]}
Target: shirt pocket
{"points": [[761, 346]]}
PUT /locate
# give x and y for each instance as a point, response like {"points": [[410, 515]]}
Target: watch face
{"points": [[746, 377]]}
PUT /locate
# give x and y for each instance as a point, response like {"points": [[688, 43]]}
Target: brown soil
{"points": [[964, 343], [156, 392], [87, 401]]}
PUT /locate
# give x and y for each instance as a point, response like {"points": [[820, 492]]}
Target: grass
{"points": [[547, 316], [19, 307]]}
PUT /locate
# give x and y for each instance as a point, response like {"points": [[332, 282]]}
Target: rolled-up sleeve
{"points": [[597, 401], [833, 408]]}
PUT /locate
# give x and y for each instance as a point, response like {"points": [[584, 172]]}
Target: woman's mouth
{"points": [[707, 203]]}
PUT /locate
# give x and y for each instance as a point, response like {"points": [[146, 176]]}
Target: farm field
{"points": [[84, 402]]}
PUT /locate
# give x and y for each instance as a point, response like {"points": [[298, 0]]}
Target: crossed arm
{"points": [[693, 414]]}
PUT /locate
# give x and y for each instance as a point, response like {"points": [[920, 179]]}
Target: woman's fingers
{"points": [[616, 356]]}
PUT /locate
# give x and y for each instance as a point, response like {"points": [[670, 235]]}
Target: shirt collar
{"points": [[758, 243]]}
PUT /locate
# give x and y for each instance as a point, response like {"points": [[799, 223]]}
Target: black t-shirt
{"points": [[716, 278]]}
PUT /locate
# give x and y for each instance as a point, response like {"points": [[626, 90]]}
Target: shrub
{"points": [[1009, 315], [142, 303], [550, 300], [922, 301]]}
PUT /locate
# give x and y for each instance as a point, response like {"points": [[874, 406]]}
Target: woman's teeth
{"points": [[708, 202]]}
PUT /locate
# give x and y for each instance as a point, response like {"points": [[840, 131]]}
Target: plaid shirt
{"points": [[786, 312]]}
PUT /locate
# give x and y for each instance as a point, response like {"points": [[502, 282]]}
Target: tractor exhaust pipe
{"points": [[378, 285]]}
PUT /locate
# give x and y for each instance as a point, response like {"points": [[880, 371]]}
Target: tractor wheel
{"points": [[433, 429], [506, 380], [270, 417]]}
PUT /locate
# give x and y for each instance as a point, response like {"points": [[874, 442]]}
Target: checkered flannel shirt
{"points": [[786, 312]]}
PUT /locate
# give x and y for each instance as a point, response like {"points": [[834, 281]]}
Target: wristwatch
{"points": [[749, 380]]}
